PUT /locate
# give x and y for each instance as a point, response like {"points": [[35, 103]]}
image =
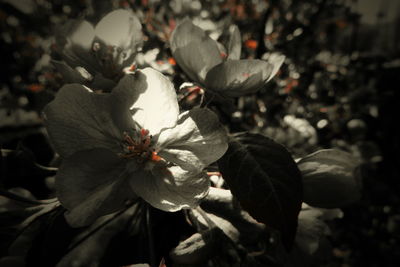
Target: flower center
{"points": [[111, 59], [139, 147]]}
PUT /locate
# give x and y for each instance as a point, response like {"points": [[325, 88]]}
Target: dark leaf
{"points": [[52, 241], [38, 145], [89, 246], [18, 216], [18, 172], [264, 178], [132, 245]]}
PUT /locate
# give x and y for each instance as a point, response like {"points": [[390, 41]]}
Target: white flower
{"points": [[205, 62], [130, 142], [97, 55]]}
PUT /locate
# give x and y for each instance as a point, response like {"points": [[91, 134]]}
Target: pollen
{"points": [[172, 61]]}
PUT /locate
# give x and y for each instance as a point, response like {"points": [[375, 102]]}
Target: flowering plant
{"points": [[97, 55], [139, 175], [206, 62]]}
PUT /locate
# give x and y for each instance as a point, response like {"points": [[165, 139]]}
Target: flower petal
{"points": [[75, 40], [276, 60], [156, 107], [194, 50], [79, 33], [78, 119], [91, 184], [69, 74], [100, 82], [311, 228], [120, 28], [235, 43], [170, 189], [198, 140], [330, 179], [239, 77]]}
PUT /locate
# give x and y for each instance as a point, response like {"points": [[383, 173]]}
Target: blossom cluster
{"points": [[119, 129], [123, 136]]}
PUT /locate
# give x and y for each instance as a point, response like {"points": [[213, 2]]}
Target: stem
{"points": [[20, 198], [45, 168], [2, 167], [150, 237]]}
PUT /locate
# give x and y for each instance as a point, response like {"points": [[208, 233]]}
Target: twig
{"points": [[150, 237], [20, 198]]}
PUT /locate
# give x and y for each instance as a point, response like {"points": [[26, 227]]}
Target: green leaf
{"points": [[265, 179]]}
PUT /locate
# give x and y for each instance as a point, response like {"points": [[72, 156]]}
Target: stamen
{"points": [[147, 141], [129, 139], [144, 132], [139, 147]]}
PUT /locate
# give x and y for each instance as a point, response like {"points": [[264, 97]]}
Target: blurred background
{"points": [[338, 87]]}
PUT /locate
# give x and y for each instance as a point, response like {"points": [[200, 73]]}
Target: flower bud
{"points": [[329, 179]]}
